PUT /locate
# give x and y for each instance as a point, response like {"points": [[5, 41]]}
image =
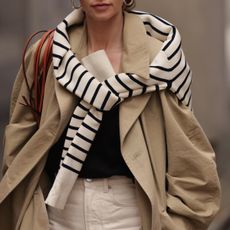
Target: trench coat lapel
{"points": [[129, 112], [139, 52], [136, 59]]}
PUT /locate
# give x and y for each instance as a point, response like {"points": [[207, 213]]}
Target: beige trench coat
{"points": [[161, 142]]}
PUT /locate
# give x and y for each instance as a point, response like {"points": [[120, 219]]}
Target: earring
{"points": [[128, 3], [74, 5]]}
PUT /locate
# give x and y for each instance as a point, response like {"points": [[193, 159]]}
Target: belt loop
{"points": [[106, 185]]}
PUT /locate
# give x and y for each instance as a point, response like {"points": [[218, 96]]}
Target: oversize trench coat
{"points": [[161, 142]]}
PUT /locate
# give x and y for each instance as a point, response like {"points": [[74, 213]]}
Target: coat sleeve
{"points": [[193, 188], [22, 124]]}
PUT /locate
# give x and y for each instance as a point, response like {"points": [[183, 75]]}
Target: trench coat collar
{"points": [[136, 58]]}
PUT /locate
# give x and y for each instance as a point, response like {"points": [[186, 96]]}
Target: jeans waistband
{"points": [[105, 183]]}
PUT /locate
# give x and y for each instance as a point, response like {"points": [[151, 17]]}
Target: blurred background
{"points": [[205, 30]]}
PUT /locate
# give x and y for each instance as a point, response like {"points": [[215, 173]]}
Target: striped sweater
{"points": [[168, 70]]}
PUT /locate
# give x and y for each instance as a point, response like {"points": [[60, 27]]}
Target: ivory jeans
{"points": [[98, 204]]}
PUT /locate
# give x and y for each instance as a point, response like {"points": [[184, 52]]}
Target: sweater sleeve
{"points": [[193, 188]]}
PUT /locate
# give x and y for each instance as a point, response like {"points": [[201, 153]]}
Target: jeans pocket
{"points": [[124, 195]]}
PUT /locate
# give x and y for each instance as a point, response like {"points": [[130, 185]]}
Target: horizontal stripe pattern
{"points": [[169, 70]]}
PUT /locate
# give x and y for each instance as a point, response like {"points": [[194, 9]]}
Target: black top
{"points": [[104, 158]]}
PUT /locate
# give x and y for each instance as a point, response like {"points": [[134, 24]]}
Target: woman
{"points": [[118, 92]]}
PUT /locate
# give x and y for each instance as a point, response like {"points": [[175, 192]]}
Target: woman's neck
{"points": [[106, 35]]}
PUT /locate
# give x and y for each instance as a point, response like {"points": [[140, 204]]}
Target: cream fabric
{"points": [[99, 204]]}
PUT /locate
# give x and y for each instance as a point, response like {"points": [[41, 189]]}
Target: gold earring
{"points": [[74, 5], [128, 3]]}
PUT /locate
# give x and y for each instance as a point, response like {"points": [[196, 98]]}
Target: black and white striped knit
{"points": [[169, 69]]}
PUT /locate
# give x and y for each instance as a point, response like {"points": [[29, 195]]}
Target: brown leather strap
{"points": [[41, 67]]}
